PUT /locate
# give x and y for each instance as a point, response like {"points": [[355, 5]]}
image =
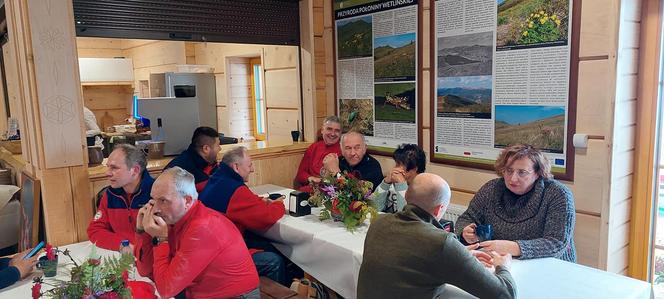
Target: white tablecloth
{"points": [[333, 256], [80, 252]]}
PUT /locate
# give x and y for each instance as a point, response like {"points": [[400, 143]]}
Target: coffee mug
{"points": [[49, 267], [484, 232], [295, 135]]}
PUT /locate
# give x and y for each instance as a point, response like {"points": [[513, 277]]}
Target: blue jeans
{"points": [[271, 265]]}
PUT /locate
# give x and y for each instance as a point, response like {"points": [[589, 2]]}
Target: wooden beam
{"points": [[646, 136]]}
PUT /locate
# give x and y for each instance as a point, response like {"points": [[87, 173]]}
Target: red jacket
{"points": [[115, 219], [227, 193], [205, 255], [312, 162]]}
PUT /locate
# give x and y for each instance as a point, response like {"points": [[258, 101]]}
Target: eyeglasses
{"points": [[521, 173]]}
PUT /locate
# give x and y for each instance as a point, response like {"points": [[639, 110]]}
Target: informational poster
{"points": [[377, 70], [502, 76]]}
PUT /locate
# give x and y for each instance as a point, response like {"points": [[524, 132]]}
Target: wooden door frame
{"points": [[644, 187]]}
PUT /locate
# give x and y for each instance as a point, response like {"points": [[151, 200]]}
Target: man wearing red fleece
{"points": [[129, 190], [184, 246], [227, 193], [312, 161]]}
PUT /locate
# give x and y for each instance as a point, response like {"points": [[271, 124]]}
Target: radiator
{"points": [[453, 212]]}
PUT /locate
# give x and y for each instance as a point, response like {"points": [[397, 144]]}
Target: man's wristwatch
{"points": [[158, 240]]}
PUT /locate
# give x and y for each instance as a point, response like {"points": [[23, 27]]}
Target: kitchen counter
{"points": [[259, 150]]}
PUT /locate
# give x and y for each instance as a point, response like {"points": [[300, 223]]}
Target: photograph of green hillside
{"points": [[464, 97], [540, 126], [395, 102], [357, 115], [394, 57], [465, 55], [354, 38], [528, 23], [343, 4]]}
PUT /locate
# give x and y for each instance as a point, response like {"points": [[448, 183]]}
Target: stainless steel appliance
{"points": [[189, 85], [172, 120]]}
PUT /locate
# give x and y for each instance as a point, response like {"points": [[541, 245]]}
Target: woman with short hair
{"points": [[531, 214], [410, 161]]}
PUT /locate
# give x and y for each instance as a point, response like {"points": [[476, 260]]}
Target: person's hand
{"points": [[481, 256], [468, 233], [331, 163], [313, 179], [156, 227], [141, 215], [24, 266], [504, 260], [398, 174], [502, 247]]}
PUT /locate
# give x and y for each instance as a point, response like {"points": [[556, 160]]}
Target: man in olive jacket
{"points": [[409, 255]]}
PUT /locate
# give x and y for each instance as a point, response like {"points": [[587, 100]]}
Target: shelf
{"points": [[102, 83]]}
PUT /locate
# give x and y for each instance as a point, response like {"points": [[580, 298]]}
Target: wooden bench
{"points": [[272, 290]]}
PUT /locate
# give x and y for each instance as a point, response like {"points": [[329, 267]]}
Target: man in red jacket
{"points": [[226, 192], [185, 246], [312, 161], [129, 190]]}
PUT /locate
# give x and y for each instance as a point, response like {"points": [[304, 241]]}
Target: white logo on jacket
{"points": [[98, 215]]}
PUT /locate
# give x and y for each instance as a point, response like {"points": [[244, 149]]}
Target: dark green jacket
{"points": [[409, 255]]}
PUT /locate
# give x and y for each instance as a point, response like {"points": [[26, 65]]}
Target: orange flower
{"points": [[356, 205]]}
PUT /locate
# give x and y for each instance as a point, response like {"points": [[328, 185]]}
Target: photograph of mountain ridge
{"points": [[394, 57], [354, 38], [465, 55]]}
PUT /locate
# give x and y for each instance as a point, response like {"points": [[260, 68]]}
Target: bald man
{"points": [[354, 159], [409, 255]]}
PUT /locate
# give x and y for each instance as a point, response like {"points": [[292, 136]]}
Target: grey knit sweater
{"points": [[540, 221]]}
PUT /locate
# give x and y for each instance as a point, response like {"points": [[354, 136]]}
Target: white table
{"points": [[333, 256], [80, 253]]}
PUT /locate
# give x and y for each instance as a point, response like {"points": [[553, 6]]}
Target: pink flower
{"points": [[110, 295], [125, 277], [50, 253], [94, 262], [36, 290]]}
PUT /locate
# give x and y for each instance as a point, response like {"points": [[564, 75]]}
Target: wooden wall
{"points": [[150, 56], [242, 113], [111, 104], [605, 108], [281, 85], [90, 47]]}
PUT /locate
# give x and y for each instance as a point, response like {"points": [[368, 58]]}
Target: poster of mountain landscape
{"points": [[395, 102], [357, 115], [540, 126], [394, 57], [528, 23], [465, 55], [464, 97], [354, 38]]}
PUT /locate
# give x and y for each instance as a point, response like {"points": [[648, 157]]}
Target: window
{"points": [[259, 100]]}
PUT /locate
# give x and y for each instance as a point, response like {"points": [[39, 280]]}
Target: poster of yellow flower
{"points": [[503, 76], [532, 22]]}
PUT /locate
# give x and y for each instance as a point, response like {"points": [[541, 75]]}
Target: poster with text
{"points": [[377, 70], [502, 77]]}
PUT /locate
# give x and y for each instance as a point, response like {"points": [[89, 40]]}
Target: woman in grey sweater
{"points": [[531, 214]]}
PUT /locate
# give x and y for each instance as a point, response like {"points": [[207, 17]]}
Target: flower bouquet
{"points": [[92, 279], [344, 198]]}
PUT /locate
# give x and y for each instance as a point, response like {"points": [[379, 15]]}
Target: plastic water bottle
{"points": [[126, 249]]}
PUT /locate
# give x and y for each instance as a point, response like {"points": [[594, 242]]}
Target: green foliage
{"points": [[95, 277], [540, 27]]}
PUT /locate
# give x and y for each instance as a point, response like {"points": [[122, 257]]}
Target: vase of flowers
{"points": [[345, 198], [91, 279]]}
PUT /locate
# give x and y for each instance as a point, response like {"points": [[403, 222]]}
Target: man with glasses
{"points": [[354, 159], [531, 214]]}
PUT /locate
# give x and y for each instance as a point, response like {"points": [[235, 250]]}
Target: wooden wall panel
{"points": [[221, 89], [598, 19], [58, 89], [278, 57], [277, 170], [282, 89], [593, 94], [280, 122], [111, 104]]}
